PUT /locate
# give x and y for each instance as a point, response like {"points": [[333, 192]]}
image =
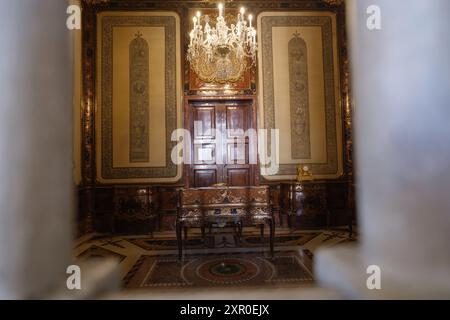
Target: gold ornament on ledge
{"points": [[304, 173]]}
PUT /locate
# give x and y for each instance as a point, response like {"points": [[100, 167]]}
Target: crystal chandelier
{"points": [[221, 53]]}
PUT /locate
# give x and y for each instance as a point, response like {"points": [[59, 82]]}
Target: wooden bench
{"points": [[244, 206]]}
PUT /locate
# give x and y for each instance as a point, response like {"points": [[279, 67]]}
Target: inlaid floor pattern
{"points": [[218, 260]]}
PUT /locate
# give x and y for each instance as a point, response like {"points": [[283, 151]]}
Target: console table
{"points": [[199, 207]]}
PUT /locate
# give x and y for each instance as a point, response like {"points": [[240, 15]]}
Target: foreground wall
{"points": [[35, 147], [401, 80]]}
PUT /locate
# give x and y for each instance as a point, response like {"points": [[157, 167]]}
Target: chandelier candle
{"points": [[221, 51]]}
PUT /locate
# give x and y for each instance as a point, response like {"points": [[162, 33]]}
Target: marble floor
{"points": [[216, 261]]}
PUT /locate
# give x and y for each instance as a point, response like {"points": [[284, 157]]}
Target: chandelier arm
{"points": [[212, 48]]}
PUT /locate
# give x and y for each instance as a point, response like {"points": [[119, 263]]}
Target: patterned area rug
{"points": [[235, 269], [250, 240], [219, 260]]}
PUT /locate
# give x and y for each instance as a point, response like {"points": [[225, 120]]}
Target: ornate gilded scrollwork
{"points": [[225, 67], [222, 69], [259, 195], [96, 1], [191, 217], [334, 2]]}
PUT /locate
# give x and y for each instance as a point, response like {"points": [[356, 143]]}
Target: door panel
{"points": [[237, 169], [204, 123], [238, 177], [205, 153], [221, 158], [237, 118], [204, 169], [204, 177], [237, 153]]}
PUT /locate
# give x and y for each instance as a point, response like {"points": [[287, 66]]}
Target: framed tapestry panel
{"points": [[299, 91], [138, 96]]}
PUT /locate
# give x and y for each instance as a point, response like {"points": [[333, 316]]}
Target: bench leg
{"points": [[261, 230], [240, 229], [185, 233], [179, 240], [237, 234], [203, 232], [272, 236], [350, 226]]}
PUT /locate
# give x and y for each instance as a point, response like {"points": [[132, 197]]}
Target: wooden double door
{"points": [[222, 151]]}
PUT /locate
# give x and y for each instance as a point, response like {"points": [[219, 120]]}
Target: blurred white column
{"points": [[36, 192], [401, 78]]}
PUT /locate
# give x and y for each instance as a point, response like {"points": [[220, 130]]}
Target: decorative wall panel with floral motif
{"points": [[139, 90], [299, 91]]}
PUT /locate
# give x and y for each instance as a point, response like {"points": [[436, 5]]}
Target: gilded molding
{"points": [[88, 169], [334, 2], [92, 2]]}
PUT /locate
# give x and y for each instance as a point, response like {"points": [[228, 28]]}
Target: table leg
{"points": [[179, 239], [203, 232], [240, 228], [272, 236], [328, 219], [289, 221], [237, 233], [350, 226]]}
